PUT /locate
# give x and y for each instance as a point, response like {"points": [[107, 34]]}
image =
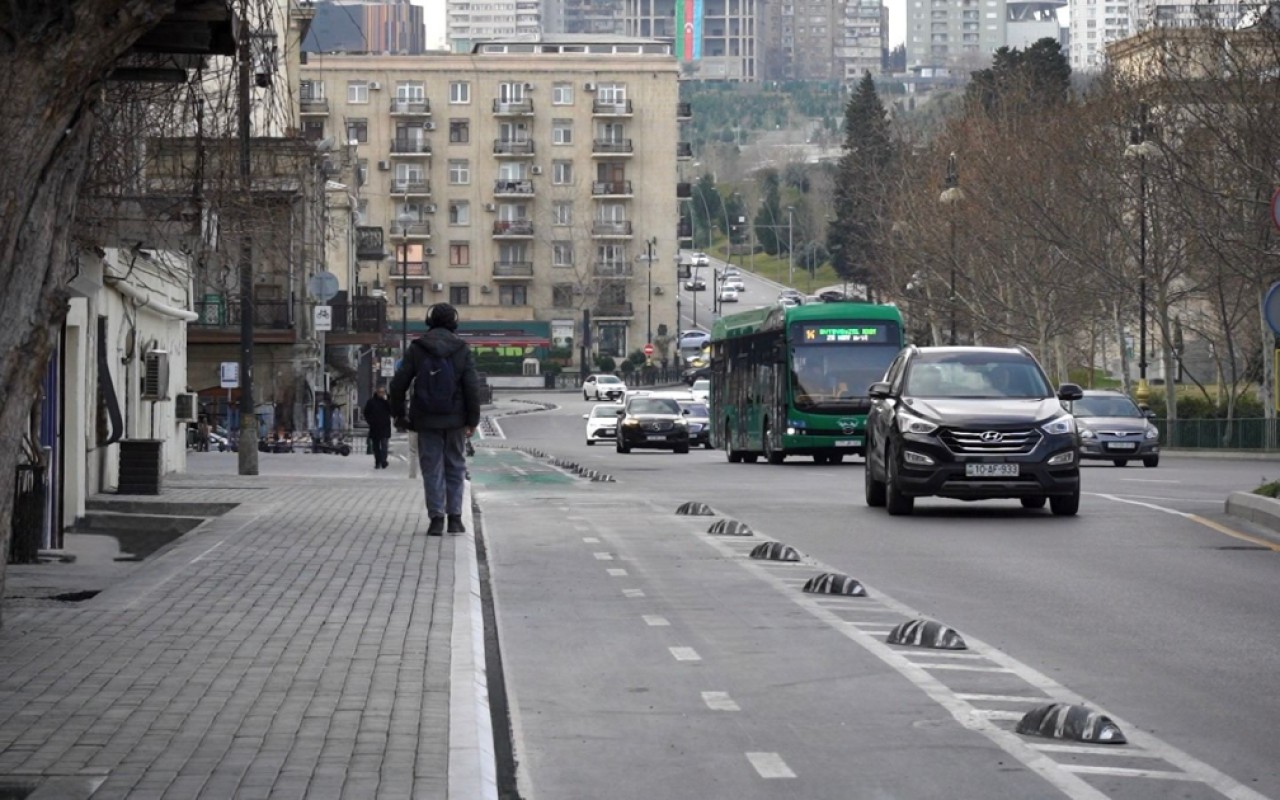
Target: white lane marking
{"points": [[685, 654], [1216, 502], [1148, 480], [1151, 506], [719, 701], [1125, 772], [633, 592], [945, 654], [997, 714], [591, 540], [1003, 698], [519, 470], [603, 556], [206, 552], [959, 667], [654, 621], [1126, 752], [617, 572], [770, 765], [497, 430]]}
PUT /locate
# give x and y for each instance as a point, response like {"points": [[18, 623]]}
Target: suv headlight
{"points": [[909, 423], [1059, 426], [1153, 432]]}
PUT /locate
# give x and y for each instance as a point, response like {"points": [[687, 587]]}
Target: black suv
{"points": [[652, 422], [971, 423]]}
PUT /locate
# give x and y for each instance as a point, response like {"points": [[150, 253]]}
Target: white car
{"points": [[728, 294], [701, 390], [602, 423], [701, 260], [734, 282], [692, 340], [603, 387]]}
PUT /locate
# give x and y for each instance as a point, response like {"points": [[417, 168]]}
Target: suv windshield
{"points": [[1104, 406], [975, 375], [653, 405]]}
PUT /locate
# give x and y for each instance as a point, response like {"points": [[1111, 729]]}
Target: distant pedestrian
{"points": [[377, 413], [202, 432], [443, 413], [338, 423]]}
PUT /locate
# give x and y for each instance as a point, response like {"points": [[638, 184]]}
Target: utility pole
{"points": [[247, 448]]}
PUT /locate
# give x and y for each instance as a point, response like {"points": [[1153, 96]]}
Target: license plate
{"points": [[1122, 446], [608, 432], [991, 470], [656, 438], [848, 443]]}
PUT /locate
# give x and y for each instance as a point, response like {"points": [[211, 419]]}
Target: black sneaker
{"points": [[437, 527], [455, 524]]}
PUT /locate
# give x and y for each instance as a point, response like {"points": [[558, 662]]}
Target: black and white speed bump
{"points": [[775, 551], [926, 633], [729, 527], [835, 583], [1066, 721], [695, 510]]}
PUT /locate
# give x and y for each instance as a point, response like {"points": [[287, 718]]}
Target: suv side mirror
{"points": [[620, 412], [1070, 391], [1148, 413], [879, 389]]}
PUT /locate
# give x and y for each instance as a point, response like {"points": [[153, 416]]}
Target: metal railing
{"points": [[513, 227], [524, 106], [608, 269], [611, 107], [513, 187], [512, 147], [611, 146], [410, 186], [613, 310], [226, 313], [684, 150], [399, 106], [411, 229], [408, 146], [605, 228], [513, 269], [1220, 434], [360, 315], [611, 187]]}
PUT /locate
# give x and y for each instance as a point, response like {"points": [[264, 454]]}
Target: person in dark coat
{"points": [[442, 436], [377, 413]]}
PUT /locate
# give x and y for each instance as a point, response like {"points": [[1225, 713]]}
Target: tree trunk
{"points": [[54, 56], [1118, 320]]}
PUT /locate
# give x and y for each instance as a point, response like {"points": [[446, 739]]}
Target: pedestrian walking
{"points": [[444, 411], [377, 413]]}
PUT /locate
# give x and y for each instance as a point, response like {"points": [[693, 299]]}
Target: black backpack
{"points": [[436, 384]]}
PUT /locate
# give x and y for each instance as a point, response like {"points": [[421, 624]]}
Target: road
{"points": [[648, 659], [697, 308]]}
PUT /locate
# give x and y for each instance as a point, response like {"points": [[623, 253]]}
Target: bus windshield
{"points": [[826, 376]]}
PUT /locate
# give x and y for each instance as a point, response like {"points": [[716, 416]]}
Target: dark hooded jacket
{"points": [[466, 407]]}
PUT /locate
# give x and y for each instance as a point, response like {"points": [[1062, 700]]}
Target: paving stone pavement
{"points": [[300, 645]]}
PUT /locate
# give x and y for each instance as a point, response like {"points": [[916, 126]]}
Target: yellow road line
{"points": [[1220, 528]]}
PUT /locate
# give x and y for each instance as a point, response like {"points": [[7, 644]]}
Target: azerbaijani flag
{"points": [[689, 33]]}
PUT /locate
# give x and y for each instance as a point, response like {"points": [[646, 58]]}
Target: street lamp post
{"points": [[1140, 147], [791, 266], [950, 196], [648, 339], [404, 220]]}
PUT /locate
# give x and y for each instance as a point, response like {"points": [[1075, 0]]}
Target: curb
{"points": [[1255, 508]]}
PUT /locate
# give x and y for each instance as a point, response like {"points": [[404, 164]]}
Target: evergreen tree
{"points": [[1022, 80], [766, 219], [861, 193]]}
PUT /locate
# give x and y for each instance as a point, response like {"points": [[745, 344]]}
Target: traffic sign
{"points": [[323, 286], [1271, 308], [1275, 208], [229, 373], [324, 318], [388, 367], [648, 349]]}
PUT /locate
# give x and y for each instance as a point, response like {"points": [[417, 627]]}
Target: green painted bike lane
{"points": [[510, 469]]}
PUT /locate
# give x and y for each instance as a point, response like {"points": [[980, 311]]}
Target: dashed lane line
{"points": [[720, 701], [685, 654], [770, 765]]}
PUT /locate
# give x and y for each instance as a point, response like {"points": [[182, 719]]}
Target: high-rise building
{"points": [[714, 39], [951, 34], [1096, 23], [469, 23], [367, 26]]}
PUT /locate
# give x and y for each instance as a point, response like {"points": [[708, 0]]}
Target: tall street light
{"points": [[1140, 147], [648, 338], [404, 219], [949, 197], [791, 265]]}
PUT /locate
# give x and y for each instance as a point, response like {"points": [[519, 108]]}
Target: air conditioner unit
{"points": [[528, 87], [437, 287], [374, 86], [485, 290], [535, 170], [429, 208], [657, 290], [428, 126], [490, 207], [431, 251], [384, 165], [590, 87], [184, 408], [155, 375]]}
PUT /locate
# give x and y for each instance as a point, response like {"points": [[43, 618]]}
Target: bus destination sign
{"points": [[843, 333]]}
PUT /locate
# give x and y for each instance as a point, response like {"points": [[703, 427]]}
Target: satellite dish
{"points": [[325, 144]]}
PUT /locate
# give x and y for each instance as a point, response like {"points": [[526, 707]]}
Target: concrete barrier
{"points": [[1255, 508]]}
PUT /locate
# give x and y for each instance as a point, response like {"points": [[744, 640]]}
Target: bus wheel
{"points": [[835, 458], [819, 458], [733, 455], [771, 455], [750, 458]]}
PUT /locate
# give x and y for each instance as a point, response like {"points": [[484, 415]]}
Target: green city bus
{"points": [[793, 381]]}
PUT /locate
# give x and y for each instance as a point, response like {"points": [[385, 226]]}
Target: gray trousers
{"points": [[444, 468]]}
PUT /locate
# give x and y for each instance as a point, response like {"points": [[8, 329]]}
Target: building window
{"points": [[562, 254], [562, 173], [312, 90], [414, 293], [562, 295], [460, 295], [459, 93], [313, 130], [459, 212], [362, 172], [357, 131], [459, 172], [562, 94], [562, 131], [410, 91], [513, 295], [459, 131], [460, 254], [562, 214], [612, 339], [357, 92]]}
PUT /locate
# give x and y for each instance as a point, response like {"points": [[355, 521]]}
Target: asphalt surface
{"points": [[645, 658]]}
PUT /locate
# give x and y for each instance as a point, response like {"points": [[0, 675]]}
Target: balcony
{"points": [[411, 187], [684, 191], [401, 107], [219, 321], [684, 151], [513, 147], [361, 320], [412, 270], [607, 229], [684, 111], [611, 108], [513, 108], [515, 188], [611, 269], [410, 147], [314, 107], [611, 189], [611, 147], [684, 230], [513, 270], [607, 310], [513, 229], [413, 230]]}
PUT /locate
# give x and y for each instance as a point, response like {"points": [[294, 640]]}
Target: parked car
{"points": [[602, 423], [603, 387], [652, 422], [971, 423], [702, 390], [728, 294], [1114, 428], [698, 417]]}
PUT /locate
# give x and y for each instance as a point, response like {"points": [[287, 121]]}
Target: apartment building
{"points": [[526, 182], [1096, 24], [471, 21], [714, 40], [954, 33], [367, 26]]}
